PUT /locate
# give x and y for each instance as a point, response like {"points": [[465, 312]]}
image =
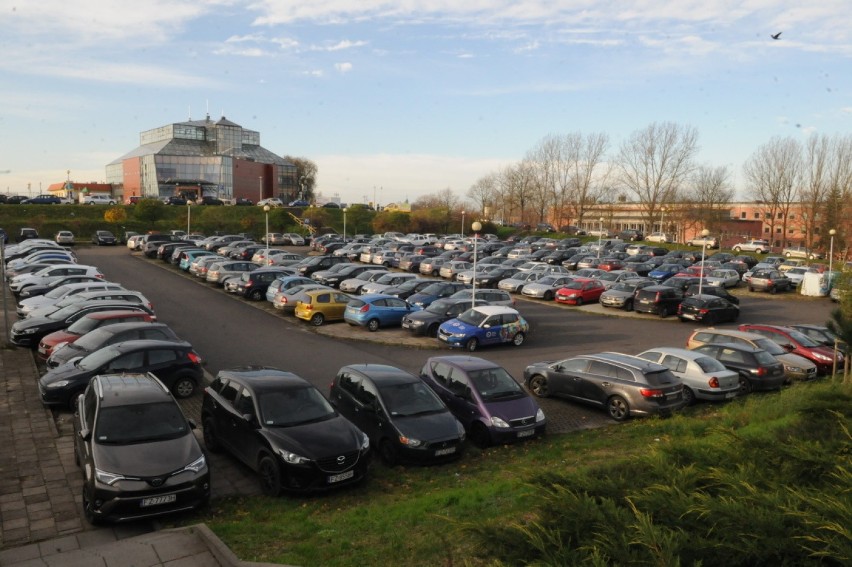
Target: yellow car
{"points": [[321, 305]]}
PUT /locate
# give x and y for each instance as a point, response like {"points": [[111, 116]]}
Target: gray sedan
{"points": [[546, 287]]}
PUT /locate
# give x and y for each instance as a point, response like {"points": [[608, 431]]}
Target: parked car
{"points": [[802, 252], [711, 290], [26, 234], [64, 237], [632, 235], [796, 368], [703, 377], [386, 281], [757, 246], [375, 311], [580, 291], [772, 281], [175, 364], [547, 286], [486, 296], [437, 290], [658, 300], [707, 309], [86, 324], [819, 333], [97, 339], [485, 325], [660, 237], [32, 304], [104, 238], [758, 369], [796, 342], [708, 241], [621, 294], [31, 292], [722, 278], [281, 427], [321, 305], [491, 405], [426, 321], [119, 423], [404, 419], [270, 202], [96, 199], [408, 288], [623, 385], [353, 285]]}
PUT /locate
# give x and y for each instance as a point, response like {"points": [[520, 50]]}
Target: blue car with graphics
{"points": [[484, 325]]}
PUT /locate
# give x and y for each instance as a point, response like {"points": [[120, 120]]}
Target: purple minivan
{"points": [[491, 405]]}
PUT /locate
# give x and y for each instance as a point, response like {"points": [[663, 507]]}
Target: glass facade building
{"points": [[202, 157]]}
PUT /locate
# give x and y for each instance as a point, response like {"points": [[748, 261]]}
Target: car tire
{"points": [[471, 345], [373, 325], [618, 408], [518, 339], [432, 331], [628, 305], [389, 454], [548, 296], [211, 440], [773, 290], [72, 401], [183, 387], [90, 516], [538, 386], [751, 289], [269, 474], [317, 319], [688, 396], [745, 385], [737, 249], [579, 302], [256, 295], [662, 311], [479, 435]]}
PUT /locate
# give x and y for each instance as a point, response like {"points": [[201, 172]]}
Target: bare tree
{"points": [[516, 185], [839, 192], [446, 205], [583, 178], [654, 162], [306, 175], [544, 160], [814, 188], [708, 197], [773, 173], [485, 195]]}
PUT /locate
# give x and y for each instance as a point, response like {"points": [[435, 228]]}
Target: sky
{"points": [[403, 98]]}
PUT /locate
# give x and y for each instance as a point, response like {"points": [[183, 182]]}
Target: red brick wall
{"points": [[247, 176]]}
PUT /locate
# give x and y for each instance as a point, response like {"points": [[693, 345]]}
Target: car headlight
{"points": [[793, 369], [572, 296], [196, 465], [30, 331], [410, 442], [365, 442], [498, 422], [822, 357], [24, 293], [58, 384], [461, 431], [539, 415], [107, 477], [416, 323], [458, 335], [292, 458]]}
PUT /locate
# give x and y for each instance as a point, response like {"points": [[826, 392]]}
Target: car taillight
{"points": [[759, 371], [651, 393], [248, 284], [704, 311], [365, 308], [193, 357], [713, 382]]}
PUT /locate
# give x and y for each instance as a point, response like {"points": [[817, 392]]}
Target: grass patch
{"points": [[760, 481]]}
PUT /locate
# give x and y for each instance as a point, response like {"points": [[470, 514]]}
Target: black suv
{"points": [[283, 428], [718, 291], [631, 235], [658, 299], [253, 285], [318, 263], [758, 369], [174, 363], [26, 234], [137, 451]]}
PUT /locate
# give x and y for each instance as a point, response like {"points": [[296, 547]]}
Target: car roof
{"points": [[382, 374], [144, 344], [494, 309], [116, 314], [465, 362], [681, 352], [731, 333], [263, 378], [131, 325], [734, 346], [625, 360], [125, 389]]}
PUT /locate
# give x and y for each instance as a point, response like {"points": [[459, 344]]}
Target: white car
{"points": [[272, 202], [723, 278], [704, 378], [797, 275], [759, 246], [295, 239], [97, 200], [65, 237], [660, 237], [546, 287]]}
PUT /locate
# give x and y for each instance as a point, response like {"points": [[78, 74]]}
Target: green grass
{"points": [[762, 480]]}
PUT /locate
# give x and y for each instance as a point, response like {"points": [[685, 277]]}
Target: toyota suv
{"points": [[759, 246]]}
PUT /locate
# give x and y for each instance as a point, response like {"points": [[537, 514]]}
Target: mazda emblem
{"points": [[341, 459]]}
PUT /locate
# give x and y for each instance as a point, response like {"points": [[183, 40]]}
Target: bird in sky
{"points": [[776, 35]]}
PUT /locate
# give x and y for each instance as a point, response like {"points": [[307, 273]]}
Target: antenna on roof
{"points": [[190, 113]]}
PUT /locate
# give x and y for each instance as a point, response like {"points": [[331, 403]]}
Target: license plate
{"points": [[157, 500], [446, 451], [342, 476], [674, 395], [42, 350], [527, 433], [405, 325]]}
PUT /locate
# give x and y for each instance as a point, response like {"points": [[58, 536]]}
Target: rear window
{"points": [[355, 303], [708, 364], [660, 378], [764, 358]]}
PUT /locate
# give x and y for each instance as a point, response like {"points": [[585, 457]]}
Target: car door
{"points": [[244, 419], [224, 414], [130, 362], [395, 309], [490, 330], [598, 382], [460, 398], [164, 363]]}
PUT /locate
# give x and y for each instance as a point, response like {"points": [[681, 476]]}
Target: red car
{"points": [[798, 343], [88, 323], [580, 291], [610, 264]]}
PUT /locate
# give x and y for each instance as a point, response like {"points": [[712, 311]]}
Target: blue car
{"points": [[377, 310], [665, 271], [484, 325], [189, 257]]}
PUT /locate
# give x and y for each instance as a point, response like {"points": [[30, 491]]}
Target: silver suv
{"points": [[709, 241], [759, 246]]}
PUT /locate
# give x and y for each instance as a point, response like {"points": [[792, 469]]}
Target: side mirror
{"points": [[789, 347], [192, 424], [85, 434]]}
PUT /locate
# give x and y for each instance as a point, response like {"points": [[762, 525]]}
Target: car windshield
{"points": [[65, 312], [414, 398], [83, 325], [661, 378], [99, 358], [547, 280], [57, 292], [91, 341], [575, 285], [708, 364], [439, 307], [624, 286], [293, 406], [494, 384], [718, 274], [434, 289], [472, 317], [409, 285], [608, 276], [769, 346], [140, 423]]}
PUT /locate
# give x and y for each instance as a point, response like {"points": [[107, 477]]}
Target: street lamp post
{"points": [[344, 224], [600, 234], [704, 234], [462, 224], [266, 211], [831, 232], [188, 216], [476, 226]]}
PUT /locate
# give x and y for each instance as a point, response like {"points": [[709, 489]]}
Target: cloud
{"points": [[343, 67], [314, 73], [341, 45]]}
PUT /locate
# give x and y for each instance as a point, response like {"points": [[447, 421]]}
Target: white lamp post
{"points": [[344, 224], [188, 216], [704, 234], [831, 232], [600, 234], [260, 189], [266, 211], [462, 224], [476, 226]]}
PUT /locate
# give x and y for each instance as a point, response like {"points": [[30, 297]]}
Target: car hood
{"points": [[65, 371], [456, 326], [317, 440], [37, 322], [790, 359], [147, 459], [512, 408], [59, 337], [429, 426], [424, 315]]}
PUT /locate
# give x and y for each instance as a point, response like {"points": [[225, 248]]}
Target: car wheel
{"points": [[256, 295], [751, 289], [112, 202], [548, 296], [269, 474], [432, 331], [88, 513], [737, 249], [471, 345], [479, 435], [184, 387], [388, 452], [317, 319], [518, 339], [688, 396], [662, 311], [709, 319], [628, 306], [373, 325], [618, 408], [211, 440], [745, 385], [538, 386], [434, 273], [773, 290], [579, 302]]}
